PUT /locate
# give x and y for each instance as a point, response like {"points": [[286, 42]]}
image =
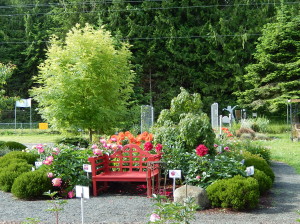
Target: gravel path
{"points": [[109, 209]]}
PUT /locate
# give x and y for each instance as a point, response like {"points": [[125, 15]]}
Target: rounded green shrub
{"points": [[259, 150], [11, 172], [258, 163], [29, 157], [238, 193], [264, 181], [4, 163], [31, 185], [4, 151], [75, 141], [14, 145]]}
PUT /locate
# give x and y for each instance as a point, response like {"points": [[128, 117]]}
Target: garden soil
{"points": [[279, 206]]}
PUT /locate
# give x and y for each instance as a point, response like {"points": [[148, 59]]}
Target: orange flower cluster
{"points": [[227, 132], [127, 137]]}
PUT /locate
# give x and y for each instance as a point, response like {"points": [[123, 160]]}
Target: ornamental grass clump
{"points": [[239, 193]]}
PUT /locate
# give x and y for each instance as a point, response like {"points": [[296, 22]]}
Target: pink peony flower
{"points": [[201, 150], [148, 146], [40, 148], [102, 140], [226, 148], [97, 152], [113, 139], [71, 194], [158, 148], [94, 146], [50, 175], [55, 151], [47, 162], [215, 145], [56, 182], [154, 217], [50, 158], [198, 177]]}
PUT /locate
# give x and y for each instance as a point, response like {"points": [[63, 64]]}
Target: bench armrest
{"points": [[93, 160]]}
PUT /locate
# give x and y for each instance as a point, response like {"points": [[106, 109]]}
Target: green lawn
{"points": [[30, 138], [284, 150]]}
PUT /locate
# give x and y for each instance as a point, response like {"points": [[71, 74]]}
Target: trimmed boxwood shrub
{"points": [[75, 141], [238, 193], [14, 145], [11, 172], [258, 163], [264, 181], [29, 157], [31, 185], [5, 163]]}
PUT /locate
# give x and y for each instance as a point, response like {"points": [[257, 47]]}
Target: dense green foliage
{"points": [[203, 171], [274, 77], [74, 141], [67, 165], [182, 128], [31, 185], [5, 73], [203, 46], [12, 145], [264, 181], [238, 193], [259, 163], [86, 82]]}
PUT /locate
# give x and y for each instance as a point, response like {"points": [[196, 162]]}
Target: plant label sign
{"points": [[38, 164], [250, 170], [87, 168], [175, 174], [82, 192]]}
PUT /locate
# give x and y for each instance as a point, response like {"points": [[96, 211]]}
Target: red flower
{"points": [[158, 148], [148, 146], [201, 150]]}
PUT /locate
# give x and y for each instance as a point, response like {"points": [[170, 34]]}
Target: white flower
{"points": [[154, 217]]}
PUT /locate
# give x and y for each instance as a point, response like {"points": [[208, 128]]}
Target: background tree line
{"points": [[203, 46]]}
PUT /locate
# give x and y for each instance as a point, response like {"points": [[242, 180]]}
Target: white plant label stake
{"points": [[250, 170], [82, 192], [87, 168], [174, 174]]}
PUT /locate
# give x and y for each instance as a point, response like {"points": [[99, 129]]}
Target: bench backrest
{"points": [[131, 158]]}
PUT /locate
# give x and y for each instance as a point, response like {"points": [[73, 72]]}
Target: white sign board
{"points": [[82, 191], [250, 170], [23, 103], [175, 174], [87, 168], [214, 115], [38, 164]]}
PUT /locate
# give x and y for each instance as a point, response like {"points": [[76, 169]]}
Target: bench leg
{"points": [[95, 188], [149, 188]]}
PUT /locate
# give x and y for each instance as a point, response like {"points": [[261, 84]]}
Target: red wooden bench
{"points": [[131, 164]]}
